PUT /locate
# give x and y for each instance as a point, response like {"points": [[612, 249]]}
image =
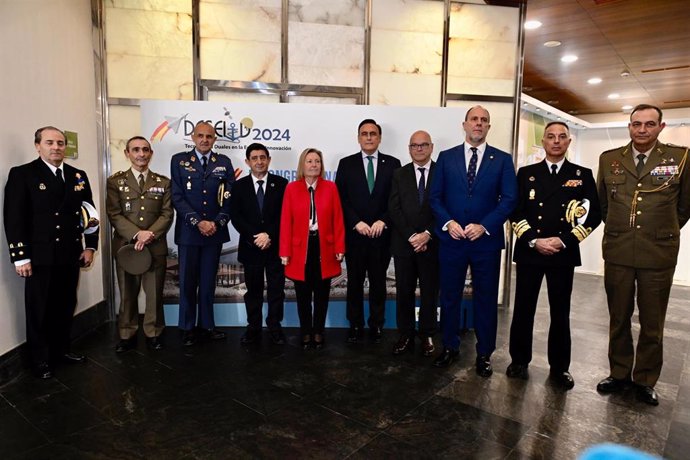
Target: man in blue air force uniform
{"points": [[201, 182]]}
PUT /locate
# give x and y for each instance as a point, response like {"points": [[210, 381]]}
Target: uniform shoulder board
{"points": [[119, 173], [676, 146], [612, 150]]}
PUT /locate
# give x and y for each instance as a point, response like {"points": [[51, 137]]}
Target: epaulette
{"points": [[675, 146], [119, 173]]}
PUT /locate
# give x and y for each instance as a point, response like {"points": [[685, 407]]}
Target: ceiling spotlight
{"points": [[552, 101], [614, 96], [538, 109], [625, 108], [568, 58], [552, 43], [594, 81], [531, 25], [625, 73]]}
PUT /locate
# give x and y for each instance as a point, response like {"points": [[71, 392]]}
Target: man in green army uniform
{"points": [[139, 206], [644, 190]]}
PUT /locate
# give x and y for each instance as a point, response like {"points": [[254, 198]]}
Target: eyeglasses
{"points": [[425, 145]]}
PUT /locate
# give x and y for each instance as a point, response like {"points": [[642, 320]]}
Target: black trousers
{"points": [[408, 269], [559, 282], [313, 285], [362, 260], [275, 293], [50, 296]]}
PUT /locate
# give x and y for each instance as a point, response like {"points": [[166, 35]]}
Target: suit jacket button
{"points": [[57, 239], [58, 227]]}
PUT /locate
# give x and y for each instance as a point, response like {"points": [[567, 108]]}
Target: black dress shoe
{"points": [[562, 379], [214, 334], [517, 371], [188, 339], [42, 370], [250, 336], [428, 346], [319, 341], [446, 357], [277, 337], [354, 334], [124, 345], [483, 366], [72, 358], [154, 343], [375, 334], [306, 342], [647, 395], [611, 385], [403, 345]]}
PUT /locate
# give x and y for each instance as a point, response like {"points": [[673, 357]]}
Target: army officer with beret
{"points": [[139, 207]]}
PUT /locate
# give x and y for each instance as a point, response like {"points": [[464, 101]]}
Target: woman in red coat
{"points": [[312, 242]]}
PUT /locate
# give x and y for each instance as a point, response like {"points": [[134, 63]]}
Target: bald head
{"points": [[420, 147]]}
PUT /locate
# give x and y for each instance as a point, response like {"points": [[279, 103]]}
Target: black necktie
{"points": [[204, 161], [421, 186], [640, 163], [260, 195], [554, 170], [58, 174], [141, 182], [312, 206], [472, 169]]}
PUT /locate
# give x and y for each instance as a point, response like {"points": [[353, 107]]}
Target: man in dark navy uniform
{"points": [[255, 207], [201, 182], [44, 225], [557, 209]]}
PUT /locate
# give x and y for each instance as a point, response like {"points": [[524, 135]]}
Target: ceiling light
{"points": [[594, 81], [625, 73], [626, 107], [538, 109], [552, 43], [531, 25], [614, 96], [568, 58]]}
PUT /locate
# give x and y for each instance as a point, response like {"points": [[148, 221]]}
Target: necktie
{"points": [[204, 161], [58, 174], [554, 170], [370, 173], [312, 206], [260, 195], [640, 163], [141, 182], [421, 186], [472, 169]]}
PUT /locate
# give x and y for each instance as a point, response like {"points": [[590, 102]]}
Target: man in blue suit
{"points": [[201, 182], [473, 192]]}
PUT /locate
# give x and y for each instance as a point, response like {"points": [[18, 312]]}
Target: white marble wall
{"points": [[125, 122], [483, 49], [406, 51], [321, 100], [240, 40], [240, 96], [149, 49], [326, 42]]}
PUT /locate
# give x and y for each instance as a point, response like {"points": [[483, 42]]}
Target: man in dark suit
{"points": [[44, 224], [139, 206], [644, 188], [414, 247], [473, 192], [364, 183], [255, 206], [201, 182], [557, 209]]}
